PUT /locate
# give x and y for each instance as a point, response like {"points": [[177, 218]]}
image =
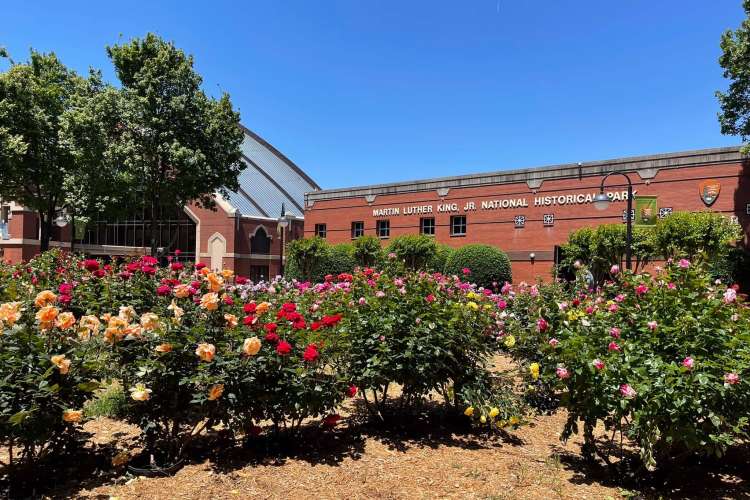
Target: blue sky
{"points": [[359, 92]]}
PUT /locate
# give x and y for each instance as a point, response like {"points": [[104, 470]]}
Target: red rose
{"points": [[332, 320], [249, 320], [177, 252], [283, 347], [64, 299], [329, 278], [270, 327], [311, 353], [177, 266], [126, 275], [148, 270], [289, 307], [250, 308], [200, 265], [65, 289], [100, 273], [352, 391], [228, 300], [315, 326], [133, 267], [299, 324], [331, 420], [240, 280], [196, 285], [164, 290], [91, 264], [272, 337]]}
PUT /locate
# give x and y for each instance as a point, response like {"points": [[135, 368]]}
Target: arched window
{"points": [[260, 243]]}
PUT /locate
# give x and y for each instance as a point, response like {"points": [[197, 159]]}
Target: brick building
{"points": [[529, 212], [241, 234]]}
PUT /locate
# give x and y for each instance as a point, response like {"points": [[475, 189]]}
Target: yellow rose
{"points": [[469, 411], [10, 312], [163, 348], [231, 320], [472, 305], [45, 298], [514, 420], [72, 416], [510, 341], [65, 320], [483, 419], [472, 296], [251, 346], [181, 291], [215, 392], [494, 412], [61, 362], [227, 273], [149, 321], [534, 370], [206, 352], [140, 393], [210, 302]]}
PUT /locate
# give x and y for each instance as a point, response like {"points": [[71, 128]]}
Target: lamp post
{"points": [[601, 202], [283, 223]]}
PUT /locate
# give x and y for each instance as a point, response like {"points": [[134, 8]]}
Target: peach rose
{"points": [[140, 393], [251, 346], [182, 291], [177, 311], [46, 316], [72, 416], [10, 313], [61, 362], [116, 329], [262, 308], [90, 323], [206, 352], [227, 273], [210, 301], [45, 298], [215, 282], [215, 392], [231, 320], [163, 348], [127, 313], [65, 320], [149, 321]]}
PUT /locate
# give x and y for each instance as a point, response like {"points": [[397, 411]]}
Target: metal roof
{"points": [[269, 180]]}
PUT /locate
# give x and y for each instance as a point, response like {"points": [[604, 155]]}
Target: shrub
{"points": [[488, 266], [663, 359], [336, 260], [367, 251], [440, 259], [304, 256], [110, 402], [685, 234], [416, 251]]}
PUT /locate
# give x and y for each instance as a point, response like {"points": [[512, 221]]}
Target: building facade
{"points": [[242, 234], [529, 212]]}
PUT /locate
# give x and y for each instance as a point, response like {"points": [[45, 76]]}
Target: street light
{"points": [[283, 223], [601, 202]]}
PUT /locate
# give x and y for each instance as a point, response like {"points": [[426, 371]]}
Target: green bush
{"points": [[336, 260], [440, 259], [488, 266], [415, 251], [368, 251], [304, 257], [685, 234], [109, 401]]}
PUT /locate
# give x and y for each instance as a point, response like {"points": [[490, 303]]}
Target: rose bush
{"points": [[663, 358]]}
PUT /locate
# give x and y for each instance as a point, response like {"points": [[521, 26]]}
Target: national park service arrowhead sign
{"points": [[709, 191]]}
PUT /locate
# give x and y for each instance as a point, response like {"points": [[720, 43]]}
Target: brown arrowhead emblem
{"points": [[709, 191]]}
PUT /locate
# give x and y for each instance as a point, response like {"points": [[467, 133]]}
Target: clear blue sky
{"points": [[359, 92]]}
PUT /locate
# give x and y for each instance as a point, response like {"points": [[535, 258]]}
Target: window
{"points": [[358, 229], [260, 243], [549, 219], [458, 225], [383, 228], [427, 226], [258, 273], [321, 230], [519, 221]]}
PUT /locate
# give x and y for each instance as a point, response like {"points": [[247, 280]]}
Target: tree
{"points": [[34, 160], [735, 103], [173, 142]]}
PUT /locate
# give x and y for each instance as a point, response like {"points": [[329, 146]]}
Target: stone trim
{"points": [[534, 176]]}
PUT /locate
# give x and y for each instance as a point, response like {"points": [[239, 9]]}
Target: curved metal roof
{"points": [[269, 180]]}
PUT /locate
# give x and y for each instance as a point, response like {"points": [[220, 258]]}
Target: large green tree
{"points": [[36, 163], [174, 143], [735, 102]]}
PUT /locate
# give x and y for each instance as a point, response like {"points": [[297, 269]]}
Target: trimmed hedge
{"points": [[416, 251], [489, 266]]}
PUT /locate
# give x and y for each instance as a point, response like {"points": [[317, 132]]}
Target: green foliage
{"points": [[110, 401], [415, 251], [735, 108], [304, 257], [367, 251], [663, 359], [489, 266], [440, 259], [685, 234], [337, 259]]}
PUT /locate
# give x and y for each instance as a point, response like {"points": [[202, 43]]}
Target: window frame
{"points": [[354, 223], [324, 227], [453, 226], [379, 225], [433, 227]]}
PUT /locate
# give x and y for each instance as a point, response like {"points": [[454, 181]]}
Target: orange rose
{"points": [[215, 282], [262, 308], [227, 273], [65, 320], [116, 329], [45, 298], [46, 316], [163, 348], [206, 352], [251, 346], [61, 362], [215, 392], [72, 416], [10, 312], [210, 301]]}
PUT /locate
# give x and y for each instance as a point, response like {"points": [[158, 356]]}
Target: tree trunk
{"points": [[154, 224], [45, 233]]}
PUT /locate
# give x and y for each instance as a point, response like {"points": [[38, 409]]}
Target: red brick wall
{"points": [[676, 188]]}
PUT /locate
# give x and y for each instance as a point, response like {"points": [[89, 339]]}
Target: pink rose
{"points": [[641, 289], [562, 373], [615, 269], [613, 346], [542, 325], [684, 263], [731, 378], [730, 295], [627, 391], [652, 325], [614, 332], [598, 364], [466, 271], [688, 363], [553, 342]]}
